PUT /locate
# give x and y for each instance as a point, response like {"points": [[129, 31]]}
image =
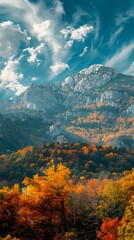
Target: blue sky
{"points": [[45, 40]]}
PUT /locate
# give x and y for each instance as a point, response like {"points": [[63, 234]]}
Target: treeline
{"points": [[82, 159], [53, 206]]}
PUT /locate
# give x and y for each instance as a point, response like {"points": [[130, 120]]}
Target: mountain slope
{"points": [[95, 105], [98, 84]]}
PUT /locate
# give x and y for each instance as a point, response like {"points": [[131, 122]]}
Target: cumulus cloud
{"points": [[76, 34], [121, 56], [11, 37], [40, 21], [9, 77], [34, 52], [43, 24], [41, 29], [80, 33], [34, 79], [84, 51], [58, 68]]}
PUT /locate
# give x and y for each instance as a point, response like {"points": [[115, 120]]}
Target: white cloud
{"points": [[34, 79], [43, 25], [121, 56], [21, 10], [79, 14], [9, 72], [12, 3], [11, 37], [9, 77], [44, 32], [76, 34], [34, 53], [84, 51], [97, 27], [115, 35], [81, 33], [58, 68], [41, 29], [69, 44], [130, 70], [59, 7], [123, 17], [41, 22]]}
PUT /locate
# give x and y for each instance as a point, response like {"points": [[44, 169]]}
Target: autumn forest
{"points": [[69, 191]]}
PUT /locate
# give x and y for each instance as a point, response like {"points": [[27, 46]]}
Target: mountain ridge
{"points": [[92, 105]]}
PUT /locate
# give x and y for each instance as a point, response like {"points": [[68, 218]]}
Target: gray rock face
{"points": [[61, 139], [43, 99], [57, 130], [114, 97], [95, 90], [97, 84], [89, 78], [130, 110], [39, 98]]}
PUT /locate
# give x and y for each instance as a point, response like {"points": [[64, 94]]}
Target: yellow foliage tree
{"points": [[9, 237], [126, 232]]}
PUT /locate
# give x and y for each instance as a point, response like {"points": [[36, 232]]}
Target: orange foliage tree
{"points": [[109, 229], [9, 206], [47, 201]]}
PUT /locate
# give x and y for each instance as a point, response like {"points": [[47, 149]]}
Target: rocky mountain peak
{"points": [[89, 78], [92, 69], [89, 105]]}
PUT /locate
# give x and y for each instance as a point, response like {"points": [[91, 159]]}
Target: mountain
{"points": [[98, 84], [96, 105]]}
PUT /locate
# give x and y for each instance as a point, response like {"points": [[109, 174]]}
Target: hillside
{"points": [[88, 161]]}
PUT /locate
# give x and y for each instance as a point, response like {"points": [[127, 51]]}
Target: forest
{"points": [[82, 159], [67, 191], [54, 206]]}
